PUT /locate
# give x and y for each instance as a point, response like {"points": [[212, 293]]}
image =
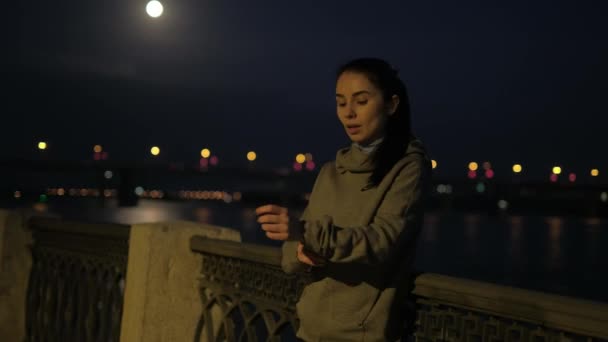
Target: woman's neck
{"points": [[370, 147]]}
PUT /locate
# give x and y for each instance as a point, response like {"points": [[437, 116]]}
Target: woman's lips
{"points": [[353, 129]]}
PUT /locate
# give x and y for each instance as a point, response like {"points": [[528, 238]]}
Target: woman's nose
{"points": [[350, 113]]}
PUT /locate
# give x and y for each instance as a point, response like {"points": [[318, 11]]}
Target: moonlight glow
{"points": [[154, 9]]}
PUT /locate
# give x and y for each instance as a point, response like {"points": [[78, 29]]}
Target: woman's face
{"points": [[361, 107]]}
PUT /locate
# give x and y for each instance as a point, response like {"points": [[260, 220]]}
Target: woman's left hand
{"points": [[274, 220]]}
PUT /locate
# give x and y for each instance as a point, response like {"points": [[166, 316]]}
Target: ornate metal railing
{"points": [[453, 309], [76, 285], [247, 297], [245, 294]]}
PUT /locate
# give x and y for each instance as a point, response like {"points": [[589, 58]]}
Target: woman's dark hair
{"points": [[398, 129]]}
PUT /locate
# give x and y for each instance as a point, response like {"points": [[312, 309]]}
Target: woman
{"points": [[358, 233]]}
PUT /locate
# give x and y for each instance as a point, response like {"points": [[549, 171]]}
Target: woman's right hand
{"points": [[309, 258]]}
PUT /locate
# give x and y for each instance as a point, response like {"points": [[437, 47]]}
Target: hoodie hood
{"points": [[354, 160]]}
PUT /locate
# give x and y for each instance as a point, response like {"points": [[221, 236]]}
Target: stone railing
{"points": [[247, 297], [76, 283], [77, 290]]}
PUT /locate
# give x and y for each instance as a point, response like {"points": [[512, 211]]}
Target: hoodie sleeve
{"points": [[289, 257], [395, 223]]}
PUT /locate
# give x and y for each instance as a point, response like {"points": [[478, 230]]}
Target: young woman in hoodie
{"points": [[358, 233]]}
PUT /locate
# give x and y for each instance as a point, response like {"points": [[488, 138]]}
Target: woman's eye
{"points": [[341, 104], [362, 102]]}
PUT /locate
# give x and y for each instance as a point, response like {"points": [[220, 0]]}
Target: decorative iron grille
{"points": [[244, 288], [76, 285]]}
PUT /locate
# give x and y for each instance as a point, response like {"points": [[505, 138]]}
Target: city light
{"points": [[487, 165], [472, 174], [308, 156], [434, 163], [480, 187], [251, 156], [300, 158], [572, 177], [108, 174], [473, 166], [489, 173], [517, 168], [139, 191], [557, 170], [553, 177], [42, 145], [214, 161], [205, 153], [97, 149], [310, 165], [17, 194], [297, 166], [154, 9], [155, 151], [595, 172], [604, 197], [503, 205]]}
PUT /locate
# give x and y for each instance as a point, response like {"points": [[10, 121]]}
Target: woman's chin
{"points": [[356, 138]]}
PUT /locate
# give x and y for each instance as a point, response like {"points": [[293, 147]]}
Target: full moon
{"points": [[154, 9]]}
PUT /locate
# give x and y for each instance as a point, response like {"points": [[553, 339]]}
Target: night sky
{"points": [[515, 81]]}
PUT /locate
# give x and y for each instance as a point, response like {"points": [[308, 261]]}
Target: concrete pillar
{"points": [[162, 300]]}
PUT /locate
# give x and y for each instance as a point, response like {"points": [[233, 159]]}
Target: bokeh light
{"points": [[434, 163], [308, 156], [42, 145], [487, 165], [572, 177], [214, 160], [205, 153], [310, 165], [557, 170], [503, 205], [517, 168], [155, 151], [472, 174], [97, 148], [300, 158], [473, 166], [297, 166], [489, 173], [595, 172], [251, 156], [553, 177]]}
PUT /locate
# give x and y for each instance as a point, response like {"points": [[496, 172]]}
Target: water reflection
{"points": [[429, 231], [554, 249], [471, 229], [203, 215], [515, 250]]}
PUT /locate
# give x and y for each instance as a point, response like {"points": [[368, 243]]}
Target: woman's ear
{"points": [[393, 104]]}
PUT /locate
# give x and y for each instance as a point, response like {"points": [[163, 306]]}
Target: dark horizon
{"points": [[523, 83]]}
